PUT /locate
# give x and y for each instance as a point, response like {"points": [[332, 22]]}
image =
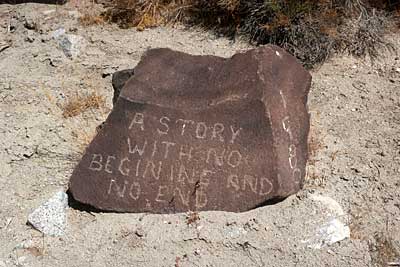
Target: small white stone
{"points": [[330, 233], [71, 44], [333, 230], [25, 244], [58, 33], [50, 218], [48, 12], [21, 259]]}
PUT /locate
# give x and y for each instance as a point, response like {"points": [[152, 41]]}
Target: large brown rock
{"points": [[200, 133]]}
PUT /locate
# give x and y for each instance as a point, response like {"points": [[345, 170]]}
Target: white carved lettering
{"points": [[184, 123], [201, 130], [233, 181], [265, 186], [136, 149], [107, 166], [234, 161], [218, 129], [96, 163], [161, 193], [164, 122], [218, 159], [151, 167], [187, 154], [251, 181], [184, 197], [134, 191], [138, 119], [167, 145], [124, 171], [120, 190], [235, 134]]}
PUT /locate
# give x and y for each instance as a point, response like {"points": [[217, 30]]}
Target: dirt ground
{"points": [[353, 173]]}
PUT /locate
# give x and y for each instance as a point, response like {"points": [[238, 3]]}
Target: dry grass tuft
{"points": [[35, 251], [364, 36], [384, 250], [192, 218], [91, 14], [315, 141], [91, 19], [78, 104]]}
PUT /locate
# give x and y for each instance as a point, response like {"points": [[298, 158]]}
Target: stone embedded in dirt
{"points": [[50, 218], [200, 133]]}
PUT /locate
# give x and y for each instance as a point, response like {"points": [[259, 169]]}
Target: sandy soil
{"points": [[355, 141]]}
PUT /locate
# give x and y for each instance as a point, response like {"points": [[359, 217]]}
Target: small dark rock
{"points": [[30, 38], [119, 79], [30, 24]]}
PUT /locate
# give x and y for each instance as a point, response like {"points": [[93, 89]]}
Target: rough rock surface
{"points": [[200, 133]]}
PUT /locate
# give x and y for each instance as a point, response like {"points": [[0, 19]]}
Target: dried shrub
{"points": [[311, 30], [192, 218], [78, 104], [364, 36], [143, 13], [91, 14]]}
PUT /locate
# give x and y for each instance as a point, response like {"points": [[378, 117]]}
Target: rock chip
{"points": [[200, 133], [50, 218]]}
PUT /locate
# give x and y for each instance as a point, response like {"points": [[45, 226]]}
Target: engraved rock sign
{"points": [[200, 133]]}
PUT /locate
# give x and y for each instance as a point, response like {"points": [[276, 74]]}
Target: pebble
{"points": [[30, 24], [29, 38]]}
